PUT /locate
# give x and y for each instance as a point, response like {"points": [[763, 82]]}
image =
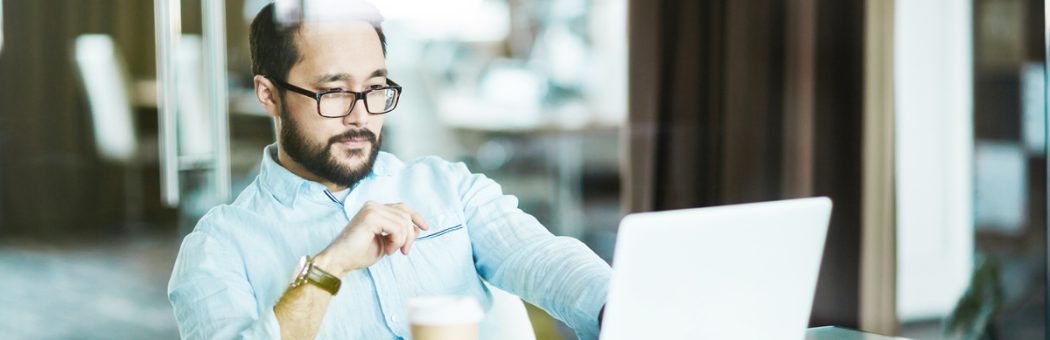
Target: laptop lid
{"points": [[745, 271]]}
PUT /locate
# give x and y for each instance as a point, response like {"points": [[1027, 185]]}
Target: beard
{"points": [[319, 159]]}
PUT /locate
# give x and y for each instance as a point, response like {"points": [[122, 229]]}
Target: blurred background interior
{"points": [[924, 120]]}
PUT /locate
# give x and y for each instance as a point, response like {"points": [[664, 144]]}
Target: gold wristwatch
{"points": [[308, 273]]}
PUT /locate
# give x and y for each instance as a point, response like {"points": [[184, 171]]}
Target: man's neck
{"points": [[286, 161]]}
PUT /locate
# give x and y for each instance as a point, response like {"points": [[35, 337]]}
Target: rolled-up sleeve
{"points": [[212, 297], [515, 252]]}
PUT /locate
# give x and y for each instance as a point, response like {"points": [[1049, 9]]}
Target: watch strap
{"points": [[322, 279]]}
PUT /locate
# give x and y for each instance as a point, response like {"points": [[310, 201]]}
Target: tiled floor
{"points": [[88, 289]]}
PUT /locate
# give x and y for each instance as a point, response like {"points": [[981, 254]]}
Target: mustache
{"points": [[353, 134]]}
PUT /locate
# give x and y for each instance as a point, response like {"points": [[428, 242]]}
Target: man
{"points": [[359, 231]]}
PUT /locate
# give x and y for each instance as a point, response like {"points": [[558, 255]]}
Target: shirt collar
{"points": [[285, 185]]}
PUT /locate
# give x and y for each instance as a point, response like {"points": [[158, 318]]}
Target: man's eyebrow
{"points": [[333, 77]]}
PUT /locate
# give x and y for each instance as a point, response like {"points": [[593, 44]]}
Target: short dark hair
{"points": [[273, 46]]}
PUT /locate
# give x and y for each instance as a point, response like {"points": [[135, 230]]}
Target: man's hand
{"points": [[376, 230]]}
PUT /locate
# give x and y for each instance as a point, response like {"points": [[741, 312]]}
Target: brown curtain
{"points": [[750, 100]]}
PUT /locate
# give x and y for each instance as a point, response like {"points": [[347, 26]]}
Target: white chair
{"points": [[106, 83], [108, 88]]}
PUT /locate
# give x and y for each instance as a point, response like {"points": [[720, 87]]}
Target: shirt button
{"points": [[394, 319]]}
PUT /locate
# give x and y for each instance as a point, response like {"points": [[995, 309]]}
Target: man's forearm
{"points": [[301, 309]]}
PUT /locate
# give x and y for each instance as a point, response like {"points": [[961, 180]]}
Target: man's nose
{"points": [[358, 114]]}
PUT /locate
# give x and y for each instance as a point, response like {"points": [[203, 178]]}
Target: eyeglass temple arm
{"points": [[294, 88]]}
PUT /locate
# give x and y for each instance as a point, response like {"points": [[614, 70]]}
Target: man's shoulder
{"points": [[224, 216], [251, 205]]}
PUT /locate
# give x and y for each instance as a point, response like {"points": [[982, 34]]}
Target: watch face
{"points": [[300, 271]]}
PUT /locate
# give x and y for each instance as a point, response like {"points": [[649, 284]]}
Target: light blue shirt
{"points": [[240, 258]]}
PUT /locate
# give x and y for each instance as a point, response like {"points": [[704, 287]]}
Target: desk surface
{"points": [[838, 333]]}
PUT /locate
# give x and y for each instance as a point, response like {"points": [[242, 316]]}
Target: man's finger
{"points": [[395, 234], [417, 219], [407, 236], [388, 247], [408, 243], [406, 228]]}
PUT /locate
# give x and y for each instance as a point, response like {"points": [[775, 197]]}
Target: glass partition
{"points": [[972, 244], [530, 93]]}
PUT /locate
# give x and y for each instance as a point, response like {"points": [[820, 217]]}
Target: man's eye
{"points": [[373, 87]]}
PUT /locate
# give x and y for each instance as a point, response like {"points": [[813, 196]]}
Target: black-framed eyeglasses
{"points": [[339, 103]]}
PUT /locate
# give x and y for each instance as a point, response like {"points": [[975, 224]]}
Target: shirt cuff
{"points": [[592, 301]]}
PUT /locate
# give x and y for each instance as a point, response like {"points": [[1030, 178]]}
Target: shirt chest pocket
{"points": [[446, 223], [442, 259]]}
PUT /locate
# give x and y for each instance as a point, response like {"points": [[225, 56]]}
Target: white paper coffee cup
{"points": [[444, 317]]}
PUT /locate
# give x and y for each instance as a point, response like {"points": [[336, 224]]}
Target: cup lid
{"points": [[444, 310]]}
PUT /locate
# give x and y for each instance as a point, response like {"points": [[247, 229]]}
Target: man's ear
{"points": [[266, 92]]}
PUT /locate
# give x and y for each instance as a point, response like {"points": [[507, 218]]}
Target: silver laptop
{"points": [[745, 271]]}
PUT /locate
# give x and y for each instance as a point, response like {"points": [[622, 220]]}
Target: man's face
{"points": [[346, 56]]}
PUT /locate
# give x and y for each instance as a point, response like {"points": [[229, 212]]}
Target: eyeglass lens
{"points": [[337, 104]]}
